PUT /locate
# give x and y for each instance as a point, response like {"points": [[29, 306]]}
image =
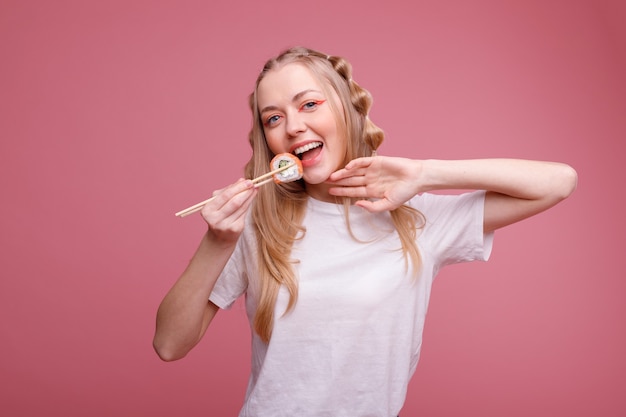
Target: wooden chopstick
{"points": [[258, 181]]}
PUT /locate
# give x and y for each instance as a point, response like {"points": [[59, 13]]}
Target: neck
{"points": [[320, 192]]}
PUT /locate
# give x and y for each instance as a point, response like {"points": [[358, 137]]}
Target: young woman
{"points": [[337, 267]]}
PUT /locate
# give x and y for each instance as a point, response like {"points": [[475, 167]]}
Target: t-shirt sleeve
{"points": [[453, 231], [233, 281]]}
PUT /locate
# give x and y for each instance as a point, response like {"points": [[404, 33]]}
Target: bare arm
{"points": [[185, 312], [516, 189]]}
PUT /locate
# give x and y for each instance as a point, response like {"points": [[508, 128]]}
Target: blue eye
{"points": [[310, 105], [271, 120]]}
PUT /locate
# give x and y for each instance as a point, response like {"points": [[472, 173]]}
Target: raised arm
{"points": [[516, 189], [185, 312]]}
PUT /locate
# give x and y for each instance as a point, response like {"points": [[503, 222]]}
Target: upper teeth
{"points": [[307, 147]]}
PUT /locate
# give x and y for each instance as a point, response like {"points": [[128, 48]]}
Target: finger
{"points": [[354, 192], [376, 206], [355, 167], [359, 163], [236, 219], [347, 173], [225, 194], [240, 199], [227, 202], [221, 190], [230, 227], [243, 208], [357, 181]]}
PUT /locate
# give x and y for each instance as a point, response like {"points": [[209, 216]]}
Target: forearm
{"points": [[523, 179], [182, 315], [516, 189]]}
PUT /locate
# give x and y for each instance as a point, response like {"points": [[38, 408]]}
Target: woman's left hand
{"points": [[390, 181]]}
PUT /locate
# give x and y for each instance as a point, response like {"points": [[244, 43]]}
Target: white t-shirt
{"points": [[352, 342]]}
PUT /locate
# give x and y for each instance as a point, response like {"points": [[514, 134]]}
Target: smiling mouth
{"points": [[304, 152]]}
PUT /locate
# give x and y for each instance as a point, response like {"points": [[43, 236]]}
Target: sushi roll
{"points": [[290, 174]]}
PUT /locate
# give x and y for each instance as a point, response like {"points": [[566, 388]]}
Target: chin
{"points": [[316, 178]]}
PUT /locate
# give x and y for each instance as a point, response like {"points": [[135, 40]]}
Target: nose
{"points": [[295, 124]]}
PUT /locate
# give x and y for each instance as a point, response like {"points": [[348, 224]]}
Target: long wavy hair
{"points": [[278, 210]]}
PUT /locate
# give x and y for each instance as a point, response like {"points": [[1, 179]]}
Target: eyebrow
{"points": [[294, 99]]}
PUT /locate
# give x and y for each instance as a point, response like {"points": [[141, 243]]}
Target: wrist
{"points": [[428, 174]]}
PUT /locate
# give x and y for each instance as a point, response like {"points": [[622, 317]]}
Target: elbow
{"points": [[559, 186], [166, 352], [568, 180]]}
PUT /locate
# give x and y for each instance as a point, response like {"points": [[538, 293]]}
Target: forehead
{"points": [[284, 83]]}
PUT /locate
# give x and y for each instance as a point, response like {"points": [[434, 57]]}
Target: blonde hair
{"points": [[278, 210]]}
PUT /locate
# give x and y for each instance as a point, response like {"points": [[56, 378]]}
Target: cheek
{"points": [[339, 132], [272, 141]]}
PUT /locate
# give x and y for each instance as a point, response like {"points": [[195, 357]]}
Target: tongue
{"points": [[311, 154]]}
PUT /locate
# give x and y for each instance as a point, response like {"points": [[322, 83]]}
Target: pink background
{"points": [[116, 114]]}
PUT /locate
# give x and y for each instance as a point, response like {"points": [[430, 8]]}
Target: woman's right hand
{"points": [[225, 214], [185, 312]]}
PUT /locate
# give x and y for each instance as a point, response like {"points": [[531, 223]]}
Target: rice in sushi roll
{"points": [[292, 173]]}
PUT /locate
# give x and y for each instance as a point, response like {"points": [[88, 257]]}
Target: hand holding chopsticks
{"points": [[258, 181]]}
